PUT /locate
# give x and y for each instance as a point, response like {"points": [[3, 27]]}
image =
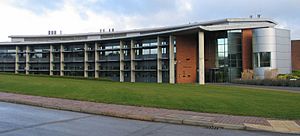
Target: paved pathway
{"points": [[158, 115]]}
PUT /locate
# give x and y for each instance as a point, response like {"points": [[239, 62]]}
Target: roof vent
{"points": [[259, 15], [251, 16], [51, 32]]}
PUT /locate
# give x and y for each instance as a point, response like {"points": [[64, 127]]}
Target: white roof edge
{"points": [[205, 28], [228, 20], [92, 40]]}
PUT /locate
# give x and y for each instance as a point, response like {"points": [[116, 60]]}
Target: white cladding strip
{"points": [[237, 26], [205, 28]]}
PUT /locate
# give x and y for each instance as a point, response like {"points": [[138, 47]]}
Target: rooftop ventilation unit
{"points": [[259, 15]]}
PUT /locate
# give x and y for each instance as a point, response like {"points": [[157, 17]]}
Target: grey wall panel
{"points": [[284, 48], [264, 32], [264, 48], [276, 41], [283, 63], [264, 40], [283, 45], [284, 70], [282, 33], [283, 55], [283, 40]]}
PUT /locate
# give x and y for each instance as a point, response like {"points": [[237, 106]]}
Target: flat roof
{"points": [[159, 29]]}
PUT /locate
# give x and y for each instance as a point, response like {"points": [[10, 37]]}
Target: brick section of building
{"points": [[247, 49], [296, 55], [186, 56]]}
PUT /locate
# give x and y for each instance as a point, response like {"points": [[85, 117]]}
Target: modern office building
{"points": [[213, 51]]}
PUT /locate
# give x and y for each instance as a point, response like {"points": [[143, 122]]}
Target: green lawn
{"points": [[208, 98]]}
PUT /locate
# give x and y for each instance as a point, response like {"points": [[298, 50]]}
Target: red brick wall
{"points": [[296, 55], [247, 49], [186, 56]]}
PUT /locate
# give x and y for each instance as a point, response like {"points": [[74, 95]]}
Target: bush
{"points": [[269, 82], [56, 76], [294, 75]]}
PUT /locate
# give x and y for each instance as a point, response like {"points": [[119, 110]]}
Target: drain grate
{"points": [[213, 127]]}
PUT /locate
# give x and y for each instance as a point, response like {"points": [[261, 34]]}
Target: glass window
{"points": [[265, 59], [262, 59], [221, 41], [146, 51], [153, 51]]}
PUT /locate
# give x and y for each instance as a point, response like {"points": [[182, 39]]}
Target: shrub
{"points": [[56, 76], [269, 82]]}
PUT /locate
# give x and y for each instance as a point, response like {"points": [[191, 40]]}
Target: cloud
{"points": [[78, 16], [38, 6]]}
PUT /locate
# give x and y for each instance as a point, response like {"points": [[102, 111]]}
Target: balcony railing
{"points": [[56, 50], [108, 58], [73, 50], [145, 68], [73, 69], [56, 68], [39, 59], [7, 69], [22, 59], [91, 59], [146, 57], [39, 68], [40, 51], [7, 60], [76, 59], [56, 59]]}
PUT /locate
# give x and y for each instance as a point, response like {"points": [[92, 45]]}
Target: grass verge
{"points": [[191, 97]]}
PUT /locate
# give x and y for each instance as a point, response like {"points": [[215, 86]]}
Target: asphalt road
{"points": [[21, 120]]}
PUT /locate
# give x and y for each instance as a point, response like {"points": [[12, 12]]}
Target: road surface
{"points": [[22, 120]]}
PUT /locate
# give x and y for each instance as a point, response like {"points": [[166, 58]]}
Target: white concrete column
{"points": [[51, 61], [85, 61], [27, 60], [132, 62], [121, 61], [96, 61], [17, 61], [61, 60], [201, 58], [171, 60], [159, 63]]}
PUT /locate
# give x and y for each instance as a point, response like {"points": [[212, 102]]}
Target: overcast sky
{"points": [[20, 17]]}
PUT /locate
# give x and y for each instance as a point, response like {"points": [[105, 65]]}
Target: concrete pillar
{"points": [[96, 61], [132, 62], [171, 60], [121, 61], [27, 60], [201, 66], [85, 61], [61, 60], [17, 61], [51, 61], [159, 63]]}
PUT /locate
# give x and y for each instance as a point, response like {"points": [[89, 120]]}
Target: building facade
{"points": [[213, 51]]}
